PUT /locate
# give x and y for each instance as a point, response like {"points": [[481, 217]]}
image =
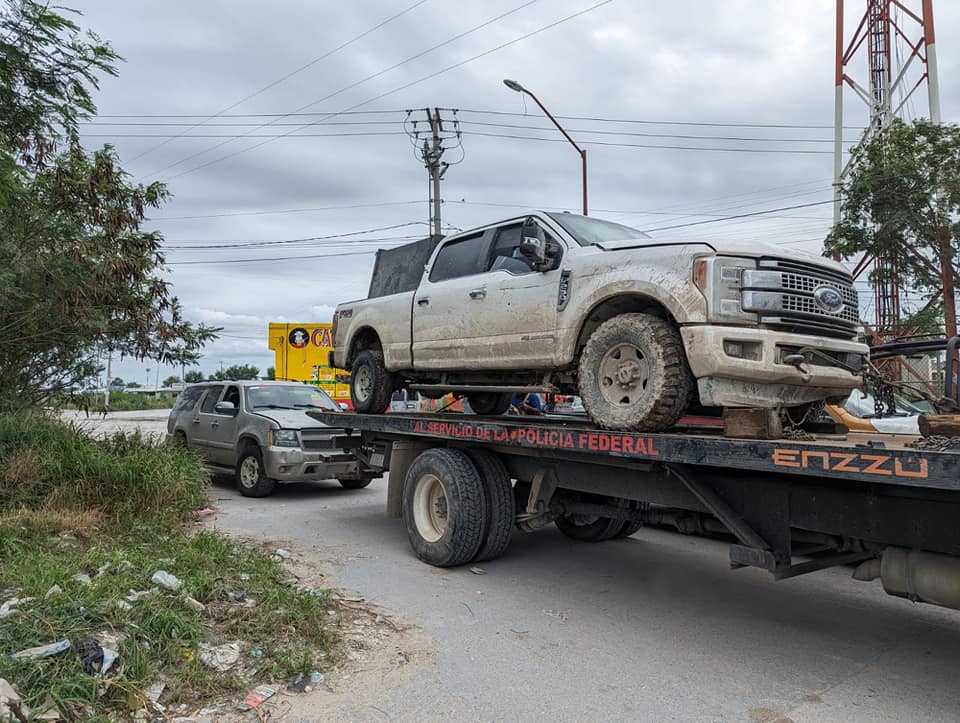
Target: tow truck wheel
{"points": [[444, 507], [370, 383], [500, 503], [489, 402], [633, 374], [252, 480]]}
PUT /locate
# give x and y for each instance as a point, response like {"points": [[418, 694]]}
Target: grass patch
{"points": [[123, 402], [116, 512]]}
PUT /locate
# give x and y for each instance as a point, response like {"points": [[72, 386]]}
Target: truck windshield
{"points": [[588, 231], [286, 396]]}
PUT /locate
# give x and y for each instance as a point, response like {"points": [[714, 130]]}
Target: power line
{"points": [[289, 75], [310, 238], [273, 258], [429, 76], [349, 87], [289, 210], [742, 215]]}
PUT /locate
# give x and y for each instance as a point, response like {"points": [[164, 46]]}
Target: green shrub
{"points": [[48, 465]]}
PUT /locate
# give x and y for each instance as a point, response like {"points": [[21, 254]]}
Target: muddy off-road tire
{"points": [[444, 507], [501, 510], [251, 477], [633, 374], [489, 402], [371, 385]]}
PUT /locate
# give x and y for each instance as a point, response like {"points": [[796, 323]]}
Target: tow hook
{"points": [[797, 361]]}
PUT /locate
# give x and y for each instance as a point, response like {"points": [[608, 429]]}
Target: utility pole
{"points": [[432, 140], [106, 388]]}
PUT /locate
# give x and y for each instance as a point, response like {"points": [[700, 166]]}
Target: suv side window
{"points": [[459, 258], [505, 254], [233, 395], [210, 401], [188, 399]]}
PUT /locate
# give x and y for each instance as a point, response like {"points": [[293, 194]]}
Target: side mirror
{"points": [[533, 243], [225, 408]]}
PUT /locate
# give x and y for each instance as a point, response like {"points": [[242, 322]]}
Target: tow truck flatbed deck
{"points": [[793, 506]]}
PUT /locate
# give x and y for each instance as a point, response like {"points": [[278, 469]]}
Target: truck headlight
{"points": [[718, 278], [284, 438]]}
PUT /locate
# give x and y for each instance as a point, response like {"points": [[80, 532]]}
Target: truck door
{"points": [[443, 298], [223, 430], [513, 324], [202, 422]]}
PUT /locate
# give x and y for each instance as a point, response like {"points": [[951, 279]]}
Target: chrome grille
{"points": [[782, 293], [315, 439]]}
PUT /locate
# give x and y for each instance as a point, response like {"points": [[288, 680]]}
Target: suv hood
{"points": [[290, 418], [751, 249]]}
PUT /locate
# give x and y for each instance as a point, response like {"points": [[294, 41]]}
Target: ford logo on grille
{"points": [[828, 299]]}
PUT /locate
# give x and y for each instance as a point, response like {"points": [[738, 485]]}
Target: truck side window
{"points": [[505, 255], [459, 258], [188, 399], [210, 401], [233, 395]]}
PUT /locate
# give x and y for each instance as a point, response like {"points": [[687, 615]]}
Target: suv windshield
{"points": [[285, 396], [589, 231]]}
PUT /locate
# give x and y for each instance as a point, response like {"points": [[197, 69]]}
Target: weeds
{"points": [[115, 511]]}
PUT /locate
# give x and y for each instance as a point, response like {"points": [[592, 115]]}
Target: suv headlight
{"points": [[284, 438], [718, 278]]}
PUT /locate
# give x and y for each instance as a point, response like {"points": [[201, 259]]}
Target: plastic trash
{"points": [[220, 657], [90, 653], [153, 694], [11, 707], [194, 605], [166, 580], [239, 596], [257, 696], [281, 553], [478, 571], [42, 651], [257, 653], [137, 594], [205, 512], [316, 677], [82, 578], [298, 683], [10, 606], [55, 590]]}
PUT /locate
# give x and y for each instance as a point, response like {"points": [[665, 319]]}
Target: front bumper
{"points": [[290, 464], [765, 381]]}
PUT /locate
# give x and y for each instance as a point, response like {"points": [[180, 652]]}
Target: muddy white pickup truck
{"points": [[640, 328]]}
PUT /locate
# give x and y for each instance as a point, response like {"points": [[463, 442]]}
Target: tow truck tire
{"points": [[633, 374], [489, 402], [371, 385], [500, 504], [444, 507], [355, 484], [629, 528], [251, 478]]}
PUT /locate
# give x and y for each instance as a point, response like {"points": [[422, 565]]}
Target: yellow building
{"points": [[301, 352]]}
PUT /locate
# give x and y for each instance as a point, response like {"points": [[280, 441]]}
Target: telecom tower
{"points": [[899, 43]]}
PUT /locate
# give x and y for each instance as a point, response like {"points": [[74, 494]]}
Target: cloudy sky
{"points": [[285, 121]]}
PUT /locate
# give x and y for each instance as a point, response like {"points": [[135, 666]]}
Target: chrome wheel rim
{"points": [[430, 514], [249, 472], [624, 375]]}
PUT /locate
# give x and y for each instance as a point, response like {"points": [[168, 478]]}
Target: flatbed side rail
{"points": [[862, 463]]}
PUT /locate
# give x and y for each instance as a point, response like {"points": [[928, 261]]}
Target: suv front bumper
{"points": [[764, 380], [290, 464]]}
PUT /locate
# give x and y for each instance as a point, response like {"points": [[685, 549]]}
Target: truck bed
{"points": [[873, 458]]}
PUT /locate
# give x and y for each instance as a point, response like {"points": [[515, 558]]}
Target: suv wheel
{"points": [[633, 374], [252, 480]]}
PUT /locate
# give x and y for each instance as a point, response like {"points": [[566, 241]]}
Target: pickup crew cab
{"points": [[639, 328], [260, 433]]}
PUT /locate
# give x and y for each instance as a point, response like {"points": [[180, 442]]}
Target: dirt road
{"points": [[655, 627]]}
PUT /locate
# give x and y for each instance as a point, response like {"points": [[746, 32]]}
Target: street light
{"points": [[514, 85]]}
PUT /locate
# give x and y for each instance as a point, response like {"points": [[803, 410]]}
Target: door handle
{"points": [[196, 421], [478, 293], [214, 424], [423, 302]]}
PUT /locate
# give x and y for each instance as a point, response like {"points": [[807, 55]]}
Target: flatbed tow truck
{"points": [[888, 505]]}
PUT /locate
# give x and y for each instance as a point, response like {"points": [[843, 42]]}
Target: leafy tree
{"points": [[193, 377], [899, 199], [78, 274], [133, 385], [237, 371], [116, 382], [170, 381], [271, 373]]}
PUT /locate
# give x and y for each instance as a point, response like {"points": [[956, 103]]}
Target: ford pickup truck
{"points": [[639, 328]]}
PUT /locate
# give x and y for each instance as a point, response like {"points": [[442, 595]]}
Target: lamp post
{"points": [[514, 85]]}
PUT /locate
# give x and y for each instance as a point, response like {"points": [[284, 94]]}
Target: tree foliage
{"points": [[194, 376], [271, 373], [901, 194], [79, 276], [236, 371]]}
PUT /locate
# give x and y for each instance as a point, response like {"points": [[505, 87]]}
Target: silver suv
{"points": [[260, 432]]}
